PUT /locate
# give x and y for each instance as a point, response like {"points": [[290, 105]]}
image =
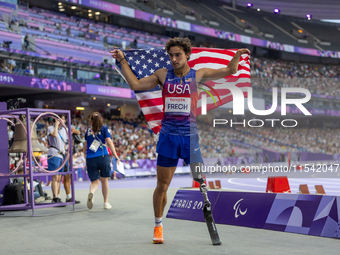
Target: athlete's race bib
{"points": [[177, 106]]}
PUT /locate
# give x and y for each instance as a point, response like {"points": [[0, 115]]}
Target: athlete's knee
{"points": [[163, 186]]}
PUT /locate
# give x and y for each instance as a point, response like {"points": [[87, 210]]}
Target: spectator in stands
{"points": [[135, 164], [11, 24], [12, 163], [265, 159], [43, 144], [127, 165], [98, 159], [27, 70], [113, 163], [10, 136], [134, 44], [79, 164], [32, 71], [12, 64], [43, 161], [4, 68], [27, 42]]}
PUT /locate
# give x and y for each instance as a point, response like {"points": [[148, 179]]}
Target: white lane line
{"points": [[302, 180], [257, 191], [315, 181], [318, 174], [242, 184]]}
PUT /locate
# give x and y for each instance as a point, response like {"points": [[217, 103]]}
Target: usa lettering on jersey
{"points": [[179, 89]]}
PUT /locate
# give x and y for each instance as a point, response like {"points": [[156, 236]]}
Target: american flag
{"points": [[144, 63]]}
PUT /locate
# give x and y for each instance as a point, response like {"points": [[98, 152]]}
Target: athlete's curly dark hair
{"points": [[181, 42]]}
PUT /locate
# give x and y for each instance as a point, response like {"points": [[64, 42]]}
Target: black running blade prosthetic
{"points": [[215, 239]]}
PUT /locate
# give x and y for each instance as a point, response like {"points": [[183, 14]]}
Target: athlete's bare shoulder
{"points": [[200, 73]]}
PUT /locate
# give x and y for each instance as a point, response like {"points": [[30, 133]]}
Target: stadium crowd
{"points": [[263, 68], [318, 79]]}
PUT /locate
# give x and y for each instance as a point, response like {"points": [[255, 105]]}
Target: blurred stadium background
{"points": [[55, 55]]}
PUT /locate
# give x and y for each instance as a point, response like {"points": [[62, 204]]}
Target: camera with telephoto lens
{"points": [[75, 148], [76, 139], [14, 103]]}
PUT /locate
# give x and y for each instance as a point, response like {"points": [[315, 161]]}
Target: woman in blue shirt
{"points": [[98, 159]]}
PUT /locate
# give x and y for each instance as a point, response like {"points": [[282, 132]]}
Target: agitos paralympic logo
{"points": [[238, 106]]}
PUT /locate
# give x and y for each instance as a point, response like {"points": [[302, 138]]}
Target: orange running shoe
{"points": [[158, 235]]}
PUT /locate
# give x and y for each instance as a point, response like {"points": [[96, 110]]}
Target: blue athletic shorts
{"points": [[98, 167], [54, 163], [170, 148]]}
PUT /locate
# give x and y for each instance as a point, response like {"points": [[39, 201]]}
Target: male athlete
{"points": [[178, 136]]}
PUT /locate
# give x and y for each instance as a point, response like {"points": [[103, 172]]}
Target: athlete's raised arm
{"points": [[135, 84], [214, 74]]}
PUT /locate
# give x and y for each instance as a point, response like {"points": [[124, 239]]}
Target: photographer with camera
{"points": [[58, 141], [7, 44]]}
